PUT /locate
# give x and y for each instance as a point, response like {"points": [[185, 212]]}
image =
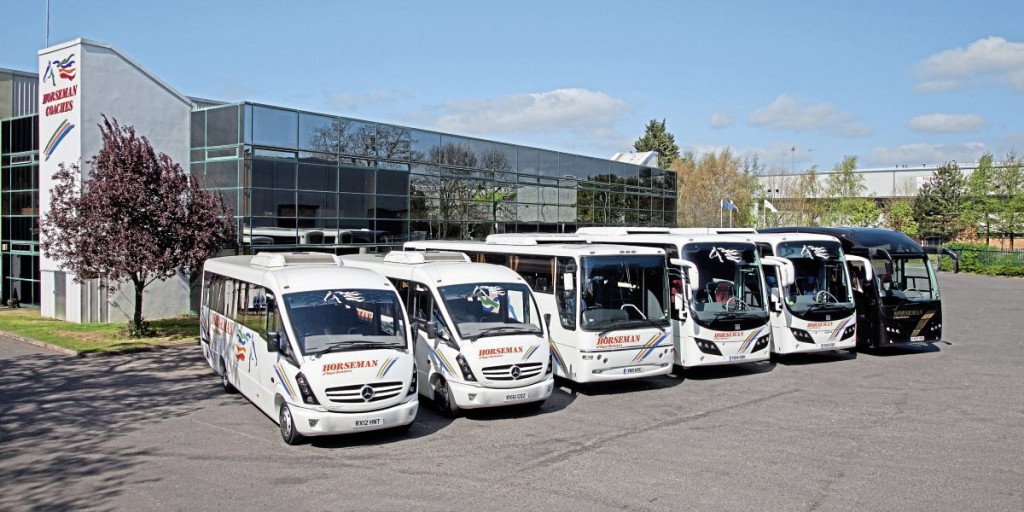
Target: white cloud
{"points": [[947, 123], [578, 110], [960, 67], [719, 120], [926, 154], [788, 113]]}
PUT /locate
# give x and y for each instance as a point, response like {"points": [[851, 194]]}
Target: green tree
{"points": [[939, 204], [899, 216], [656, 138], [1009, 184], [704, 182], [845, 192], [981, 201], [803, 205]]}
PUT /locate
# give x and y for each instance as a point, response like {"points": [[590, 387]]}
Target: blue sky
{"points": [[794, 83]]}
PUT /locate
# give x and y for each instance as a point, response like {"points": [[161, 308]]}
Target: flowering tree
{"points": [[137, 217]]}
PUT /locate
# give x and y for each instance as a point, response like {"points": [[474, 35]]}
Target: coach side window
{"points": [[565, 296], [536, 270], [215, 294], [274, 324], [495, 259], [250, 301], [420, 304]]}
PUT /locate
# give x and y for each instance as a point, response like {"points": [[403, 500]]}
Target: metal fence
{"points": [[984, 261]]}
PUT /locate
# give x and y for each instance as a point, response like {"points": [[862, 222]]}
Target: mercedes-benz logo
{"points": [[366, 393], [516, 372]]}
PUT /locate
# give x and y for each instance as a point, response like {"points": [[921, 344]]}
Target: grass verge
{"points": [[96, 338]]}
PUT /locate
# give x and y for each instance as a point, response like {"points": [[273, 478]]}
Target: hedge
{"points": [[983, 259]]}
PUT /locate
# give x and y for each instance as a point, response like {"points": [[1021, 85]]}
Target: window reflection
{"points": [[222, 126], [273, 173], [548, 163], [323, 173], [275, 127]]}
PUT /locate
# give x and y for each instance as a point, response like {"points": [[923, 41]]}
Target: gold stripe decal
{"points": [[920, 325]]}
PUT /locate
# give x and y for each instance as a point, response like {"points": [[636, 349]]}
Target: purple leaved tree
{"points": [[137, 217]]}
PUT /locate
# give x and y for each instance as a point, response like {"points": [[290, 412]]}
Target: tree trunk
{"points": [[140, 286]]}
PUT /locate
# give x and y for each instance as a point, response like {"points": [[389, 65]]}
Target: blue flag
{"points": [[729, 205]]}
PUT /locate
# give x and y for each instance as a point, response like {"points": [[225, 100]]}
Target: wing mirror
{"points": [[273, 342]]}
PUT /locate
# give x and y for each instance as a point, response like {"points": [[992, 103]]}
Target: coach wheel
{"points": [[287, 423], [444, 399], [224, 381]]}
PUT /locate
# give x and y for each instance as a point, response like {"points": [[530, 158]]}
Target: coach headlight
{"points": [[467, 373], [802, 335], [306, 392], [761, 343], [708, 347], [849, 331], [412, 385]]}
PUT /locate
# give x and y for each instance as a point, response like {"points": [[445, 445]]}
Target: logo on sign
{"points": [[813, 251], [58, 135], [65, 69], [722, 254]]}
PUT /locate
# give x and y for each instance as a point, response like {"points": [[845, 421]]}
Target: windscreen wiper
{"points": [[651, 322], [827, 305], [504, 329], [726, 315], [338, 346]]}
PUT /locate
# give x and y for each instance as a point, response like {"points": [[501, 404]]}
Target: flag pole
{"points": [[721, 213]]}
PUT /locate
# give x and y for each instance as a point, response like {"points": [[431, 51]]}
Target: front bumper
{"points": [[311, 422], [475, 397]]}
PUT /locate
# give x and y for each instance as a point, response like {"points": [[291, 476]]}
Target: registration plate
{"points": [[635, 369], [827, 345], [739, 357], [515, 397], [372, 422], [917, 338]]}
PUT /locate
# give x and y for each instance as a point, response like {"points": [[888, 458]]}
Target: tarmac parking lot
{"points": [[930, 427]]}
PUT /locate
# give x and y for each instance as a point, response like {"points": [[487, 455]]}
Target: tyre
{"points": [[444, 400], [224, 381], [287, 423]]}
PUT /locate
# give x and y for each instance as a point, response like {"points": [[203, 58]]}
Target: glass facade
{"points": [[299, 178], [19, 209]]}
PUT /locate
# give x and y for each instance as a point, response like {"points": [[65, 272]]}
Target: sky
{"points": [[796, 84]]}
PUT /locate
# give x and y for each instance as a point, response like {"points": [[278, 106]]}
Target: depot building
{"points": [[296, 180]]}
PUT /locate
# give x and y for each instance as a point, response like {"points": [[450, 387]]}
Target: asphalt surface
{"points": [[922, 428]]}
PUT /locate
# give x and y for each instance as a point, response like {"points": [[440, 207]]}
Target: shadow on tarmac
{"points": [[70, 408], [617, 386], [726, 371], [830, 356], [902, 350], [429, 420]]}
